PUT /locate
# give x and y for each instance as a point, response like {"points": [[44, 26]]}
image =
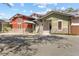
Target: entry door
{"points": [[47, 26], [20, 21], [20, 28], [50, 26]]}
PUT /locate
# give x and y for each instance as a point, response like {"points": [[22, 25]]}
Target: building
{"points": [[22, 23], [36, 16], [58, 22], [2, 22]]}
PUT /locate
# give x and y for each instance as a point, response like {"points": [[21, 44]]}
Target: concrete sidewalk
{"points": [[13, 33]]}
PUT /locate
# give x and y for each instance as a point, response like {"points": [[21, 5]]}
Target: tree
{"points": [[69, 9]]}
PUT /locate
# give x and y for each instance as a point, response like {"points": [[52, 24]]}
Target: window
{"points": [[19, 20], [19, 26], [59, 25]]}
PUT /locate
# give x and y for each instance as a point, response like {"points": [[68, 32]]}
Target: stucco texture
{"points": [[53, 19]]}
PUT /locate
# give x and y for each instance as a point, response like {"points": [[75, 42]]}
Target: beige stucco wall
{"points": [[54, 23], [53, 19]]}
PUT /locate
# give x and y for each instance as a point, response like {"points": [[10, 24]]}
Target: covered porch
{"points": [[21, 29], [44, 27]]}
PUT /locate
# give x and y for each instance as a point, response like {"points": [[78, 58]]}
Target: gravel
{"points": [[20, 45]]}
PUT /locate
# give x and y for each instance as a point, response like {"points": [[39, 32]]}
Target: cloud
{"points": [[62, 8], [40, 5], [38, 12], [24, 11], [44, 12], [15, 9], [11, 4], [2, 14], [41, 12], [22, 4], [31, 11], [48, 10], [44, 5], [55, 4]]}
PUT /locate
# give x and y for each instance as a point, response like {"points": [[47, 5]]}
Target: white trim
{"points": [[75, 24], [60, 20], [19, 23], [27, 21], [61, 27], [15, 23]]}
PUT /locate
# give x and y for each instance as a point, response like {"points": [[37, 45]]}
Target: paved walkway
{"points": [[13, 33], [56, 48], [52, 49]]}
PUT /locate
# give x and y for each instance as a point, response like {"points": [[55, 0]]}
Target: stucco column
{"points": [[33, 28], [2, 27], [40, 28]]}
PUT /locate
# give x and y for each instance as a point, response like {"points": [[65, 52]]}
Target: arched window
{"points": [[59, 25]]}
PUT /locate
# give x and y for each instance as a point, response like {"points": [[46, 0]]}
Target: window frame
{"points": [[19, 20], [61, 25]]}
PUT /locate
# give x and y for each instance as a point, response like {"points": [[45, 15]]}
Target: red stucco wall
{"points": [[15, 24]]}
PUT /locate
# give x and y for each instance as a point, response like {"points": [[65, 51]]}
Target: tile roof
{"points": [[74, 13]]}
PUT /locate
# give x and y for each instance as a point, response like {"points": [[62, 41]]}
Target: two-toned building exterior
{"points": [[54, 22]]}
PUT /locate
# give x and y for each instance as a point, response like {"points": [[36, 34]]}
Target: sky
{"points": [[29, 8]]}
